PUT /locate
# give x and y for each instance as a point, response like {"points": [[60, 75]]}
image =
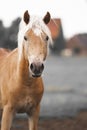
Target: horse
{"points": [[21, 83]]}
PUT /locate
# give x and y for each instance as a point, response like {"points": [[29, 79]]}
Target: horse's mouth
{"points": [[36, 75]]}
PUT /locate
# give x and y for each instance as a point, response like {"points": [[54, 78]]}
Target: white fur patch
{"points": [[37, 31]]}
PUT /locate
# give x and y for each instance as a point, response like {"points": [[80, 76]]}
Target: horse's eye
{"points": [[47, 38], [25, 38]]}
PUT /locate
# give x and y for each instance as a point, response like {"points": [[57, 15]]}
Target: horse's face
{"points": [[36, 44], [36, 51]]}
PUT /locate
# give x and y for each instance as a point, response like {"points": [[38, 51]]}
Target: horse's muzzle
{"points": [[37, 69]]}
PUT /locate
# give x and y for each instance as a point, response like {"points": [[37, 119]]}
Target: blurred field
{"points": [[76, 123], [65, 81]]}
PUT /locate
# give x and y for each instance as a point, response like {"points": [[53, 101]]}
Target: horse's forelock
{"points": [[37, 25]]}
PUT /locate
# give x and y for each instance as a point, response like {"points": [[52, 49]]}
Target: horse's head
{"points": [[34, 37]]}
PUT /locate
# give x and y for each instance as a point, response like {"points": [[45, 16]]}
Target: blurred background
{"points": [[65, 75]]}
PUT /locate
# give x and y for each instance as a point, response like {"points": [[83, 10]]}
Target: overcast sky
{"points": [[73, 13]]}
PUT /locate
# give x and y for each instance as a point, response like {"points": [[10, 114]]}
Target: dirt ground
{"points": [[77, 123]]}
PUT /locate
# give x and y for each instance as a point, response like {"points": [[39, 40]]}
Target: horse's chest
{"points": [[27, 99], [26, 104]]}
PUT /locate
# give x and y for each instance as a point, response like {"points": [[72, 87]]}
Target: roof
{"points": [[79, 40], [54, 26]]}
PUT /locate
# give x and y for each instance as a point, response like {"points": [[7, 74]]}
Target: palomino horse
{"points": [[21, 85]]}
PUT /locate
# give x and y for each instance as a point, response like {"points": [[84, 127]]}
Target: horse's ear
{"points": [[26, 17], [47, 18]]}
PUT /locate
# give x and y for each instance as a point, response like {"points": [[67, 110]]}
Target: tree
{"points": [[8, 36]]}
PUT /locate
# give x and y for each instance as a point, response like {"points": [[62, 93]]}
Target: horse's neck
{"points": [[23, 71], [19, 67], [23, 68]]}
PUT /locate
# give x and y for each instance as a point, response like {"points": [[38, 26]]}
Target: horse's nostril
{"points": [[42, 67], [32, 66]]}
